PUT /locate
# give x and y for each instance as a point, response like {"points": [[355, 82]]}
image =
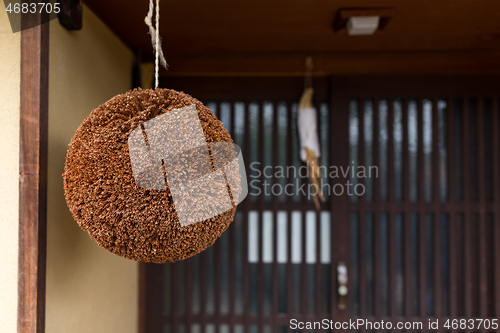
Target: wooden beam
{"points": [[198, 29], [388, 86], [33, 174], [246, 88], [347, 63]]}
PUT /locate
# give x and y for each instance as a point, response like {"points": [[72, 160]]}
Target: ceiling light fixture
{"points": [[362, 21], [362, 25]]}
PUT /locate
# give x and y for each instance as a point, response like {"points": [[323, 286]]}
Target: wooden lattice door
{"points": [[421, 242]]}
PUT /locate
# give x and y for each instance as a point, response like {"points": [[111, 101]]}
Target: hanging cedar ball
{"points": [[130, 221]]}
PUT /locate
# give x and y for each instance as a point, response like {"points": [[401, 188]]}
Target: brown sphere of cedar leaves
{"points": [[103, 197]]}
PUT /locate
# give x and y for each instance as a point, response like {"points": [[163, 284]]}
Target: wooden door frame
{"points": [[33, 154]]}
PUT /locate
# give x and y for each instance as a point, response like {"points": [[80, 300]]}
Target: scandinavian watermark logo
{"points": [[345, 180], [170, 152]]}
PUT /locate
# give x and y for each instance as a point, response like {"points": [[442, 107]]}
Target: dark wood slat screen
{"points": [[453, 249], [496, 195], [454, 281], [392, 215], [422, 243]]}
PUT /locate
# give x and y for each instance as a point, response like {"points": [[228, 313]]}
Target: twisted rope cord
{"points": [[156, 39]]}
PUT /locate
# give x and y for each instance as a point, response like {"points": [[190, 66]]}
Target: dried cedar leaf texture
{"points": [[101, 193]]}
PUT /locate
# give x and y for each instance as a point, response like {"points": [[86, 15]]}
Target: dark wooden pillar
{"points": [[33, 174]]}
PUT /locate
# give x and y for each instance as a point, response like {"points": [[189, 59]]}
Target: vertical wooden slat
{"points": [[319, 241], [376, 149], [289, 281], [483, 267], [482, 236], [246, 271], [217, 280], [304, 297], [390, 150], [453, 267], [275, 292], [377, 260], [246, 274], [467, 216], [232, 246], [230, 125], [189, 293], [216, 110], [422, 268], [203, 293], [362, 265], [362, 216], [407, 213], [361, 142], [435, 154], [406, 159], [217, 255], [392, 264], [496, 196], [453, 248], [289, 200], [33, 141], [174, 310], [391, 215], [407, 264], [232, 277], [481, 153], [232, 114], [437, 264], [377, 264], [319, 269], [496, 219], [436, 216], [260, 265], [154, 291], [421, 215], [340, 215]]}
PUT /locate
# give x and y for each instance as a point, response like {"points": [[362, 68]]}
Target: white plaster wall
{"points": [[88, 288]]}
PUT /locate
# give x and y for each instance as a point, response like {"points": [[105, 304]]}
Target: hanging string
{"points": [[308, 77], [156, 39]]}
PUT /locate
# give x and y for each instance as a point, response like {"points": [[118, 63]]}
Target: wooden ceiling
{"points": [[273, 37]]}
